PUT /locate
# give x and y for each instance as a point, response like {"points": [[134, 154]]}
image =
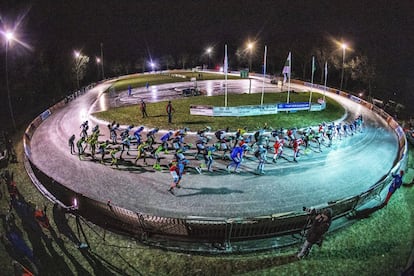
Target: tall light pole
{"points": [[250, 48], [208, 51], [77, 62], [98, 63], [102, 62], [344, 46], [9, 37]]}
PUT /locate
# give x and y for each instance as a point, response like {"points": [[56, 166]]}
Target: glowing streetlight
{"points": [[250, 46], [208, 52], [9, 37], [152, 64], [344, 47]]}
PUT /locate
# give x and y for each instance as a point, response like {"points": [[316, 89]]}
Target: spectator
{"points": [[144, 109], [170, 109], [396, 183], [320, 223]]}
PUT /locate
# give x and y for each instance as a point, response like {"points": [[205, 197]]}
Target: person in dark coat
{"points": [[320, 224]]}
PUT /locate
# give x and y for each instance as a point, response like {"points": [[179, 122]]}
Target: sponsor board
{"points": [[45, 115], [293, 106], [203, 110], [240, 111]]}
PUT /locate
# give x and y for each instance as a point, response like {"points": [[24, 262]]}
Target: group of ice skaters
{"points": [[235, 146]]}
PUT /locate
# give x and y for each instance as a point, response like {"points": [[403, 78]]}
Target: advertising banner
{"points": [[293, 106], [204, 110]]}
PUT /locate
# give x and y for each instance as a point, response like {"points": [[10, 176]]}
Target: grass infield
{"points": [[131, 115]]}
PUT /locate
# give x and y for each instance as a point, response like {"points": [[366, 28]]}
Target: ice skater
{"points": [[114, 159], [261, 155], [141, 152], [277, 149], [236, 157], [175, 178], [84, 132], [72, 144], [81, 149]]}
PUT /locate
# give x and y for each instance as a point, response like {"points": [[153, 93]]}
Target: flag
{"points": [[313, 65], [326, 78], [313, 68], [287, 68]]}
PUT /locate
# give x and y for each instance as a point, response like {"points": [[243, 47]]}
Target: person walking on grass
{"points": [[170, 109], [320, 223], [143, 107]]}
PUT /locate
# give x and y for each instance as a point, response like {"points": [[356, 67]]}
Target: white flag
{"points": [[288, 65], [287, 68]]}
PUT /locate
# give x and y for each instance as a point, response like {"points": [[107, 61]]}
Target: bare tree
{"points": [[117, 67], [361, 69], [183, 59], [79, 67], [167, 61], [322, 54], [139, 64]]}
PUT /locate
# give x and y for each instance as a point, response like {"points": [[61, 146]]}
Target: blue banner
{"points": [[304, 105]]}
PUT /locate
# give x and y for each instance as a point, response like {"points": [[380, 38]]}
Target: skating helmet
{"points": [[401, 172]]}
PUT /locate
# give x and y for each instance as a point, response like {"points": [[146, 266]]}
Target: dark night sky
{"points": [[381, 30]]}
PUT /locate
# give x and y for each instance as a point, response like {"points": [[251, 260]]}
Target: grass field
{"points": [[181, 118], [377, 245]]}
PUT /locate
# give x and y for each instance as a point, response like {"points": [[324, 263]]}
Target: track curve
{"points": [[349, 167]]}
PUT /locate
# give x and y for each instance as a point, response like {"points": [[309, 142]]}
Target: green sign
{"points": [[244, 74]]}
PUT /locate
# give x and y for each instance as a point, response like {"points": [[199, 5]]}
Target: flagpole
{"points": [[225, 74], [290, 72], [326, 77], [313, 71], [264, 73]]}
